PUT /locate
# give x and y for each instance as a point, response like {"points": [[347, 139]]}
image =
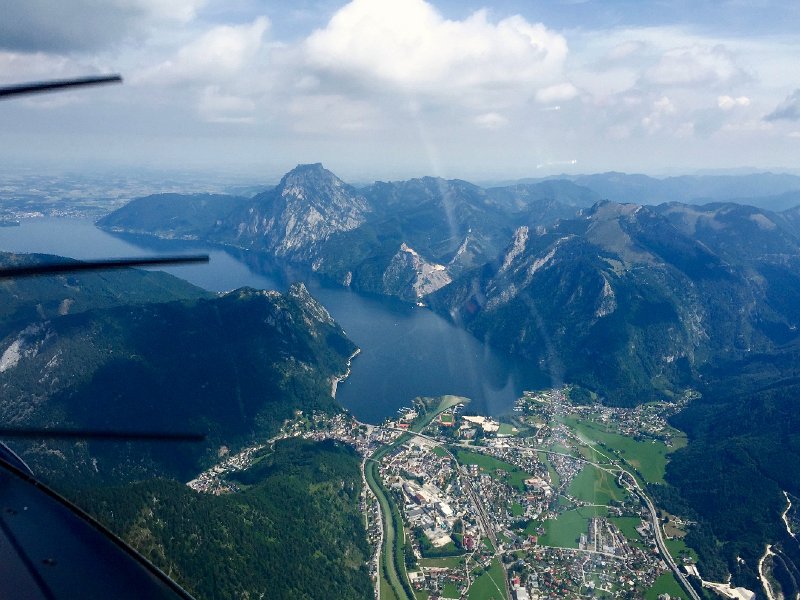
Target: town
{"points": [[548, 502]]}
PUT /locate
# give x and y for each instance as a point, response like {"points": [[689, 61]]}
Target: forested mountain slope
{"points": [[132, 350], [294, 531], [233, 366], [628, 301]]}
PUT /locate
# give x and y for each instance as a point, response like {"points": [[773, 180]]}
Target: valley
{"points": [[659, 448], [457, 509]]}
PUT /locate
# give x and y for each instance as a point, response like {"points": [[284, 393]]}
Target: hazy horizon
{"points": [[377, 89], [216, 179]]}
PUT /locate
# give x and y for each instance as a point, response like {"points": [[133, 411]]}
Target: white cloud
{"points": [[729, 102], [662, 109], [491, 120], [625, 50], [218, 107], [410, 47], [664, 106], [556, 93], [182, 11], [694, 65], [19, 66], [217, 55], [326, 113], [391, 77], [56, 25]]}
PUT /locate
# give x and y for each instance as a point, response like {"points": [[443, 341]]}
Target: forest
{"points": [[294, 531], [743, 453]]}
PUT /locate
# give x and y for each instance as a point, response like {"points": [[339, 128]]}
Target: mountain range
{"points": [[631, 300], [772, 191], [632, 287], [405, 239]]}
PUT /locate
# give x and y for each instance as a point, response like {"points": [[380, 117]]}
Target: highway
{"points": [[658, 534], [662, 547]]}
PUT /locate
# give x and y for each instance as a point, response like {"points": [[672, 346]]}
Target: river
{"points": [[406, 351]]}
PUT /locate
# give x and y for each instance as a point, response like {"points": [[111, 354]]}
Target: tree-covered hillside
{"points": [[75, 353], [743, 454], [294, 531]]}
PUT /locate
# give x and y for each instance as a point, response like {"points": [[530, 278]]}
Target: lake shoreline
{"points": [[406, 352], [337, 379]]}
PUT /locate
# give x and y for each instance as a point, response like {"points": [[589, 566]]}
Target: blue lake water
{"points": [[406, 351]]}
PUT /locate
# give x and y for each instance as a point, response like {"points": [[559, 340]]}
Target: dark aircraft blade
{"points": [[98, 265], [50, 549], [101, 435], [38, 87]]}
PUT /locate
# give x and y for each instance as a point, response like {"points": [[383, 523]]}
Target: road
{"points": [[616, 469], [662, 547]]}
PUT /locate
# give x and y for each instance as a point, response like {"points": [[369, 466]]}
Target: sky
{"points": [[389, 89]]}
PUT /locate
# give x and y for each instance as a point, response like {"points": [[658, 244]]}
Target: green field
{"points": [[555, 480], [648, 457], [517, 510], [593, 453], [595, 486], [450, 562], [678, 548], [562, 449], [666, 584], [434, 406], [450, 590], [490, 585], [564, 531], [628, 525], [500, 470], [439, 451], [386, 590], [506, 429]]}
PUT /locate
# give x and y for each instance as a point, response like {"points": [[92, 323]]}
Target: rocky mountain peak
{"points": [[308, 206], [309, 176], [412, 277], [313, 187]]}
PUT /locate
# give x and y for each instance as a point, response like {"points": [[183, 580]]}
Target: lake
{"points": [[407, 351]]}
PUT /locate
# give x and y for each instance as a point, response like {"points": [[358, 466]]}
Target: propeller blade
{"points": [[102, 435], [38, 87], [98, 265]]}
